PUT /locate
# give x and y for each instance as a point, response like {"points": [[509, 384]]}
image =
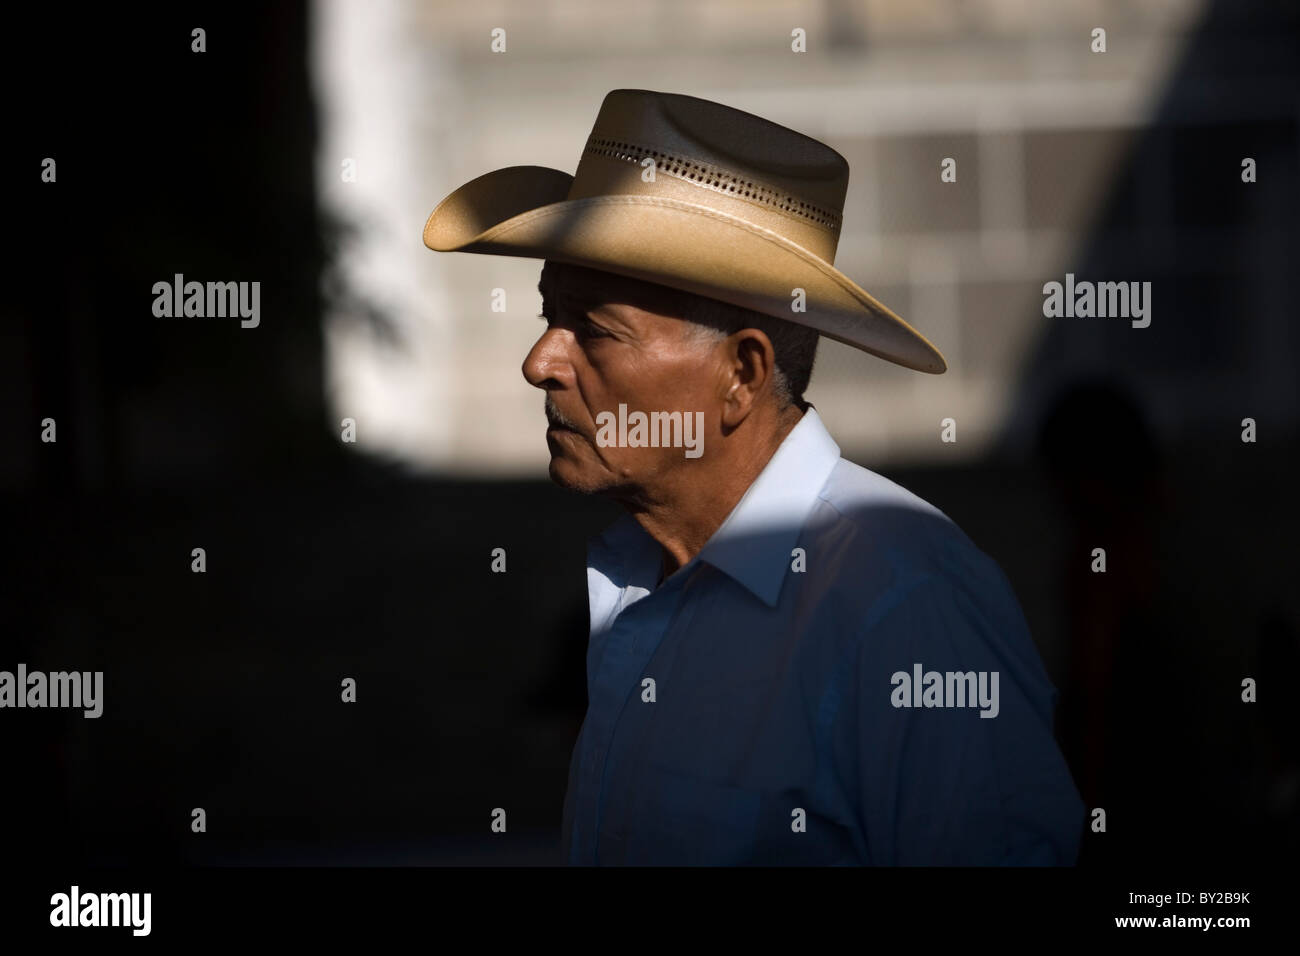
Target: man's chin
{"points": [[568, 474]]}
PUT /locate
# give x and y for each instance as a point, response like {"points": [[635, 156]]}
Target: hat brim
{"points": [[524, 211]]}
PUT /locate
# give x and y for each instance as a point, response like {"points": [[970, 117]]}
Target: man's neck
{"points": [[684, 513]]}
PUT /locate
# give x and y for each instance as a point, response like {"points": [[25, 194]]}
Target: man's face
{"points": [[610, 340]]}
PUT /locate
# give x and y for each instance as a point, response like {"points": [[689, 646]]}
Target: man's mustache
{"points": [[557, 417]]}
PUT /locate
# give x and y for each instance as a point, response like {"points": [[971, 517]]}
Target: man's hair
{"points": [[795, 345]]}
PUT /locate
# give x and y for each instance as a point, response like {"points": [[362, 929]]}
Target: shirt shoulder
{"points": [[872, 545], [898, 578], [872, 526]]}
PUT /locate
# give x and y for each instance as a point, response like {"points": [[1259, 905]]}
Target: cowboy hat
{"points": [[693, 195]]}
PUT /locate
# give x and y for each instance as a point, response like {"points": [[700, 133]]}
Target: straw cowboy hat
{"points": [[697, 196]]}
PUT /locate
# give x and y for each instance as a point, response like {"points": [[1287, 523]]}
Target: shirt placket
{"points": [[642, 639]]}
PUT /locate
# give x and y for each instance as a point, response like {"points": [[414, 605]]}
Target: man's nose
{"points": [[547, 365]]}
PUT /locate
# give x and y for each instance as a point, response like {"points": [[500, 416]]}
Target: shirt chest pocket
{"points": [[680, 820]]}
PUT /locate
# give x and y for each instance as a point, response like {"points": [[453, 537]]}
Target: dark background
{"points": [[222, 689]]}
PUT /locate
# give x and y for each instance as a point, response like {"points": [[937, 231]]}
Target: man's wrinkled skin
{"points": [[611, 340]]}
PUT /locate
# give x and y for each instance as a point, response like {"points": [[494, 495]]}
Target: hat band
{"points": [[812, 225], [715, 177]]}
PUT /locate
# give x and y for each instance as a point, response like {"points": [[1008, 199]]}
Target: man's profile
{"points": [[792, 660]]}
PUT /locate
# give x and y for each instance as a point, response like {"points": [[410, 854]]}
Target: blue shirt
{"points": [[751, 709]]}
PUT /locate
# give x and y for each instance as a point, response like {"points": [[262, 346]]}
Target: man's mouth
{"points": [[555, 418]]}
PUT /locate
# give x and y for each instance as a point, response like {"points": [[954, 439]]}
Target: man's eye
{"points": [[585, 328]]}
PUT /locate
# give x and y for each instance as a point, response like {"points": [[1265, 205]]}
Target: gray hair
{"points": [[795, 345]]}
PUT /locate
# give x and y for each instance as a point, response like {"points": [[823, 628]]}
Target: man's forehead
{"points": [[595, 287]]}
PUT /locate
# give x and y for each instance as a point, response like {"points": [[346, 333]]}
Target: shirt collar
{"points": [[754, 544]]}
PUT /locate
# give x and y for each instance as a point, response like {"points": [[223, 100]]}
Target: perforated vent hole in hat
{"points": [[712, 177]]}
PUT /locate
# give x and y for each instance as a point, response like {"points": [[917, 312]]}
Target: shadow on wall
{"points": [[1196, 523]]}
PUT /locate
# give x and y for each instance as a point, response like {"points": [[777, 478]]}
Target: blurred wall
{"points": [[1036, 122]]}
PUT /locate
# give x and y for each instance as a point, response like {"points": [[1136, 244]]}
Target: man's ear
{"points": [[751, 363]]}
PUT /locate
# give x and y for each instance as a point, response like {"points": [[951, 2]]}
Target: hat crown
{"points": [[718, 157]]}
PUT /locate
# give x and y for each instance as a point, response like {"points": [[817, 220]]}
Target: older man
{"points": [[792, 660]]}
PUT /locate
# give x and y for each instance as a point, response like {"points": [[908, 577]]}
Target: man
{"points": [[792, 660]]}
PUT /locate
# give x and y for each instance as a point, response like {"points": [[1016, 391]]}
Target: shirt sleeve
{"points": [[942, 781]]}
